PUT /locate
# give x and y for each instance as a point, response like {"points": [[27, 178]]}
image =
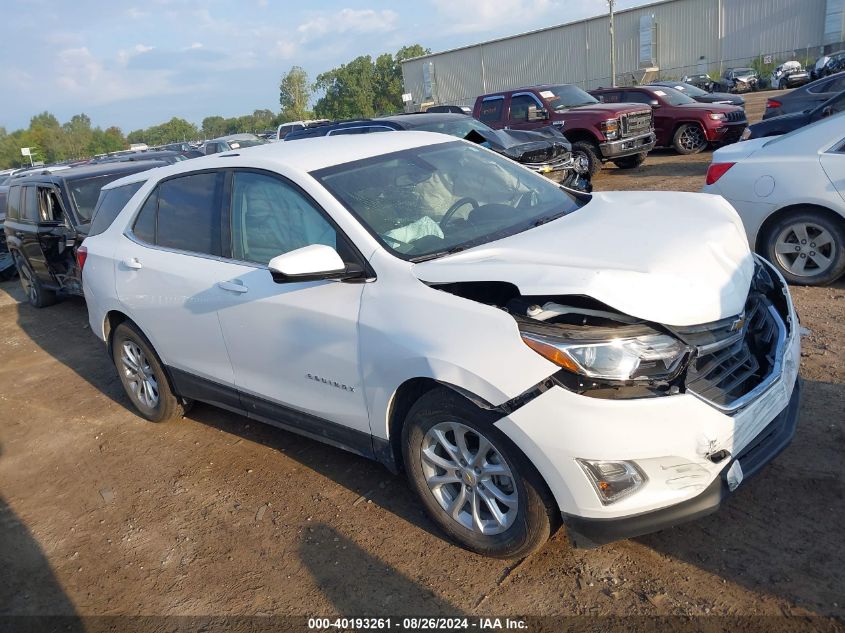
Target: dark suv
{"points": [[48, 214]]}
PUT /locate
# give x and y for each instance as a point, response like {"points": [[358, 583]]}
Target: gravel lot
{"points": [[103, 513]]}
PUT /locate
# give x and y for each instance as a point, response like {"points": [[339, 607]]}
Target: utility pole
{"points": [[612, 46]]}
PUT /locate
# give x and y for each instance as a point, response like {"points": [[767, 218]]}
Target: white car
{"points": [[790, 193], [525, 354]]}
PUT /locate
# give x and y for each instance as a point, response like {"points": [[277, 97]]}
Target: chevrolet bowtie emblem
{"points": [[738, 323]]}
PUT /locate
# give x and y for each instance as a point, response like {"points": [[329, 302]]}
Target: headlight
{"points": [[610, 128], [717, 116], [645, 357]]}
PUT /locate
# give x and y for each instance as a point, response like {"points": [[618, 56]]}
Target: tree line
{"points": [[363, 87]]}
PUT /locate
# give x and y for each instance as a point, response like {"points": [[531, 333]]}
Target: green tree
{"points": [[78, 136], [213, 126], [294, 95]]}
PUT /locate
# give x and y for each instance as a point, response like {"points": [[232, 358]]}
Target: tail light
{"points": [[773, 103], [81, 256], [716, 171]]}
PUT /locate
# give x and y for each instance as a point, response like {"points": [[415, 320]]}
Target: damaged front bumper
{"points": [[628, 146]]}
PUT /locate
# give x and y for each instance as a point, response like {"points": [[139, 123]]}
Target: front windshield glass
{"points": [[425, 202], [562, 97], [672, 96], [743, 71], [459, 128]]}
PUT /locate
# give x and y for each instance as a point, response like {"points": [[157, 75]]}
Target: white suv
{"points": [[524, 353]]}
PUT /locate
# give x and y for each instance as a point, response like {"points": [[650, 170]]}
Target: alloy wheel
{"points": [[692, 138], [139, 375], [469, 478], [805, 249]]}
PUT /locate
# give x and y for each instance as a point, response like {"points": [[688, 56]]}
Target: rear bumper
{"points": [[628, 146], [768, 444]]}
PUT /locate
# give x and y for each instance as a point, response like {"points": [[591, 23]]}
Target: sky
{"points": [[138, 63]]}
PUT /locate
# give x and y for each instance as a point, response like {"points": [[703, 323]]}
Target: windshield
{"points": [[744, 71], [86, 192], [424, 202], [562, 97], [459, 128], [672, 96]]}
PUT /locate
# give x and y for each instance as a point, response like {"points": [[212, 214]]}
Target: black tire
{"points": [[689, 139], [630, 162], [36, 294], [535, 516], [785, 231], [591, 152], [167, 405]]}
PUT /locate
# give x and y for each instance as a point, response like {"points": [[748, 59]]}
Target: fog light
{"points": [[613, 480]]}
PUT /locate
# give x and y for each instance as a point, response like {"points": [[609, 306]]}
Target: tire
{"points": [[147, 386], [524, 525], [631, 162], [689, 139], [792, 245], [591, 152], [37, 295]]}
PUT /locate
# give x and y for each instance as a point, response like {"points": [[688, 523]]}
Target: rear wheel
{"points": [[589, 151], [630, 162], [807, 247], [476, 485], [689, 139], [142, 375], [36, 294]]}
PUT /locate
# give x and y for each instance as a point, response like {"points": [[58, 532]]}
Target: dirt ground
{"points": [[102, 513]]}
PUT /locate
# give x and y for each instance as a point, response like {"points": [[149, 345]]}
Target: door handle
{"points": [[133, 263], [232, 286]]}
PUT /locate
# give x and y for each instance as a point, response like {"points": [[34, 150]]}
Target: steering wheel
{"points": [[453, 209]]}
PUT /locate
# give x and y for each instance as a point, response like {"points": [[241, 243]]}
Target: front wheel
{"points": [[807, 247], [474, 483], [630, 162], [142, 375], [37, 295], [689, 139], [589, 152]]}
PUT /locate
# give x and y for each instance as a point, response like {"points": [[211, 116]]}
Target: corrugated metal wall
{"points": [[687, 38]]}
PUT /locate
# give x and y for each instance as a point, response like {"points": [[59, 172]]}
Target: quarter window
{"points": [[145, 224], [189, 211], [270, 217]]}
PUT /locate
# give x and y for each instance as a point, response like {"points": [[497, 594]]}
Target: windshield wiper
{"points": [[438, 254], [548, 218]]}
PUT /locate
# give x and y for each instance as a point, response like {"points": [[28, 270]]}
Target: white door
{"points": [[167, 274], [293, 344]]}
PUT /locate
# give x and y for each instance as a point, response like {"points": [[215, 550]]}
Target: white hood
{"points": [[672, 258]]}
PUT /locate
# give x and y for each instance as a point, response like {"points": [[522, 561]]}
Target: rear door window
{"points": [[189, 213], [110, 205], [491, 110]]}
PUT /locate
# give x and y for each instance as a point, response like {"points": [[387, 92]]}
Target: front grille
{"points": [[736, 116], [636, 123], [725, 375]]}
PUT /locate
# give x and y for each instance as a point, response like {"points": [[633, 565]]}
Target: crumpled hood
{"points": [[672, 258]]}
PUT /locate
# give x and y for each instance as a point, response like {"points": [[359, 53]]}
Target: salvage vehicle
{"points": [[775, 126], [739, 80], [789, 75], [545, 150], [703, 81], [48, 214], [790, 193], [702, 96], [827, 65], [425, 302], [231, 142], [679, 121], [599, 132], [806, 97]]}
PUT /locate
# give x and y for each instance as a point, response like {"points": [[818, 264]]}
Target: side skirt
{"points": [[190, 386]]}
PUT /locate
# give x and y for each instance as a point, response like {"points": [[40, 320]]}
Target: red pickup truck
{"points": [[599, 132], [681, 122]]}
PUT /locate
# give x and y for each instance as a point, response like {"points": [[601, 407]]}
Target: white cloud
{"points": [[141, 48], [348, 21], [134, 13]]}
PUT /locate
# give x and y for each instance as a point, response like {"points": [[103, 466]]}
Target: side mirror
{"points": [[654, 103], [537, 114], [317, 262]]}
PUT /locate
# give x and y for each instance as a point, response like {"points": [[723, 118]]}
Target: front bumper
{"points": [[728, 133], [768, 444], [565, 163], [628, 146]]}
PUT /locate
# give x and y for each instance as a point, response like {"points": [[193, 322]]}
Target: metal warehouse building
{"points": [[667, 39]]}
